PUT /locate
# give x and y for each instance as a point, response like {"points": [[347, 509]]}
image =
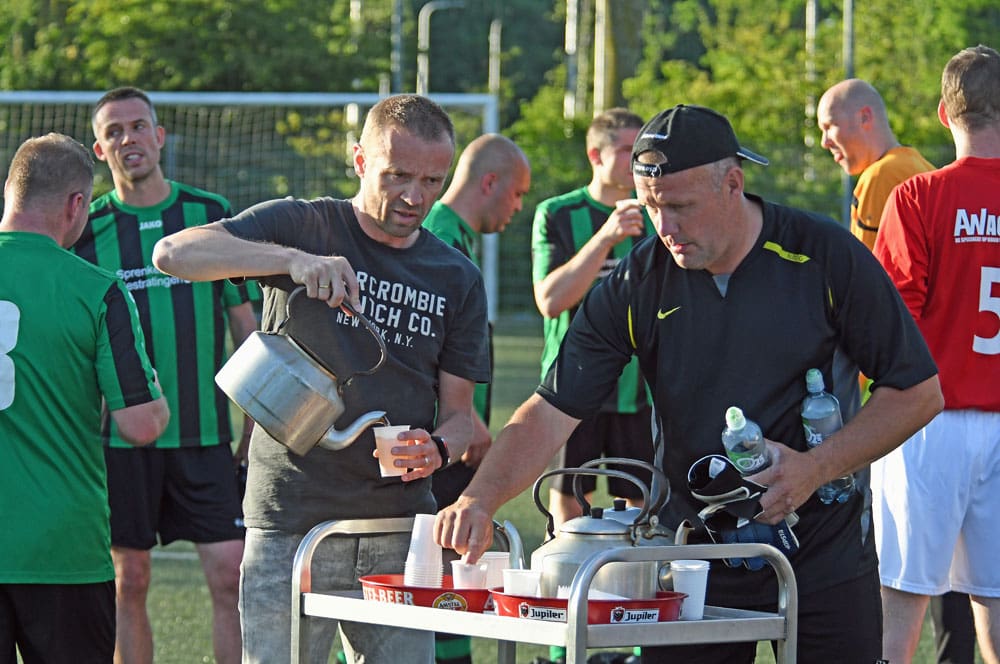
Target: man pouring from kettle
{"points": [[340, 250], [731, 304]]}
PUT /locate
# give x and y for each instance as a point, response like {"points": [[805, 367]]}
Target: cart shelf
{"points": [[720, 625]]}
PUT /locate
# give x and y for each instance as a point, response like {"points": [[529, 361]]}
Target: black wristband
{"points": [[442, 450]]}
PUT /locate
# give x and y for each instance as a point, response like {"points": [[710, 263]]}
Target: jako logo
{"points": [[146, 225]]}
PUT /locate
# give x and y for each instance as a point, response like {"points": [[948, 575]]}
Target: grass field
{"points": [[179, 603]]}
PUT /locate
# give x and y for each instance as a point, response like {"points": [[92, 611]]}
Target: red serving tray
{"points": [[664, 608], [390, 588]]}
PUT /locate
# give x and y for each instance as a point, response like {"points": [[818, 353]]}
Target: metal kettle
{"points": [[279, 383], [561, 555]]}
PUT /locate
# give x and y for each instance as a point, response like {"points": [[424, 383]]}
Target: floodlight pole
{"points": [[569, 96], [493, 75], [809, 122], [848, 52], [424, 39], [490, 247], [396, 54], [600, 55]]}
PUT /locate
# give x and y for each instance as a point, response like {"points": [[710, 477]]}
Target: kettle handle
{"points": [[659, 487], [364, 321], [550, 522]]}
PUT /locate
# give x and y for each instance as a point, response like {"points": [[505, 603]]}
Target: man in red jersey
{"points": [[854, 127], [937, 495]]}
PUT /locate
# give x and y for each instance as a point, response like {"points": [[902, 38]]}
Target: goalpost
{"points": [[248, 147]]}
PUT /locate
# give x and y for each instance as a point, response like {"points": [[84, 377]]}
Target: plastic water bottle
{"points": [[744, 443], [821, 418]]}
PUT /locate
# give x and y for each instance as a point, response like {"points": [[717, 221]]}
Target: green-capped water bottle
{"points": [[744, 443], [821, 418]]}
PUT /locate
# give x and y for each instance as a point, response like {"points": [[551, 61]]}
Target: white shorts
{"points": [[937, 507]]}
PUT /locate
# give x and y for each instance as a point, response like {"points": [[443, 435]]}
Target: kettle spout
{"points": [[338, 440]]}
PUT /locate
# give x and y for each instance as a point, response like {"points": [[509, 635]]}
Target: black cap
{"points": [[689, 136]]}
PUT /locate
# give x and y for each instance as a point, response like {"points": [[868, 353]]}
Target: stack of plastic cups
{"points": [[423, 566]]}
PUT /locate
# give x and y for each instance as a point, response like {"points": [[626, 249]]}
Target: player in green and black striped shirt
{"points": [[491, 178], [577, 239], [184, 487]]}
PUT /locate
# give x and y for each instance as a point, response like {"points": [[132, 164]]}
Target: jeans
{"points": [[266, 594]]}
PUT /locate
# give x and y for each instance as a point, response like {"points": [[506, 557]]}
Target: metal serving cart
{"points": [[720, 625]]}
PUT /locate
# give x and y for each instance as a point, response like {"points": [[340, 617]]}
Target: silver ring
{"points": [[427, 460], [324, 285]]}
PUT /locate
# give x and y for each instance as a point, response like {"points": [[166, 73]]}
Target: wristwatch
{"points": [[442, 450]]}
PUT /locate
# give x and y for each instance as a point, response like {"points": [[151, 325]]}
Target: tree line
{"points": [[760, 63]]}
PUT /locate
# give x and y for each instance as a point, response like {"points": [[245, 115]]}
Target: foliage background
{"points": [[748, 60]]}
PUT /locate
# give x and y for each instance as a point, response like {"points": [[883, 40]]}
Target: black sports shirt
{"points": [[807, 295]]}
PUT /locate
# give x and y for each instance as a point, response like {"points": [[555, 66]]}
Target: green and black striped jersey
{"points": [[185, 323], [445, 223], [452, 229], [561, 227]]}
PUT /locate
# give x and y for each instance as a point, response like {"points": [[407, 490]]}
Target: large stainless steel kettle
{"points": [[286, 391], [561, 555]]}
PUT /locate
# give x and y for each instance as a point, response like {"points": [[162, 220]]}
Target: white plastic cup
{"points": [[386, 439], [626, 203], [496, 563], [425, 555], [521, 582], [691, 577], [423, 548], [468, 575]]}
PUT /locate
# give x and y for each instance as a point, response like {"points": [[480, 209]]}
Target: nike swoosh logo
{"points": [[661, 314]]}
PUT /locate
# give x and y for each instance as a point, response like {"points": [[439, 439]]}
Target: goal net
{"points": [[248, 147]]}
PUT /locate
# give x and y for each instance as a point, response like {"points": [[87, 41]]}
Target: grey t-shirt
{"points": [[429, 304]]}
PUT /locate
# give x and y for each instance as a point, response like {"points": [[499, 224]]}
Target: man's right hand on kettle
{"points": [[327, 278]]}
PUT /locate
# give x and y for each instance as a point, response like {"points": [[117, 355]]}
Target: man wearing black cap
{"points": [[730, 305]]}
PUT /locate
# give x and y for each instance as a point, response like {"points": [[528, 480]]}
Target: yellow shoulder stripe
{"points": [[787, 255], [631, 331]]}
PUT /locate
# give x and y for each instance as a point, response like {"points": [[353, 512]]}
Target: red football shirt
{"points": [[940, 243]]}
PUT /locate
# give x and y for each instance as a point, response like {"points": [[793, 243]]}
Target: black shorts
{"points": [[57, 623], [188, 493], [839, 624], [610, 435]]}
